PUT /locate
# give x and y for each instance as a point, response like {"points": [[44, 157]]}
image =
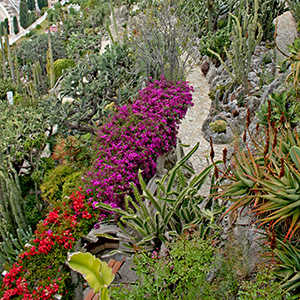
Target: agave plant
{"points": [[153, 218]]}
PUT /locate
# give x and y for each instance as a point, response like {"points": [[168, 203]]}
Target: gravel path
{"points": [[190, 129]]}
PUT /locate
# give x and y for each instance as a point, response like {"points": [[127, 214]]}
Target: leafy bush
{"points": [[57, 180], [95, 82], [180, 273], [217, 42], [76, 151]]}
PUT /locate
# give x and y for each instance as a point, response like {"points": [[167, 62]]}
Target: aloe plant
{"points": [[176, 206], [288, 269], [96, 272], [267, 179]]}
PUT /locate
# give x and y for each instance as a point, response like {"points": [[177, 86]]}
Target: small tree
{"points": [[23, 14], [6, 26], [163, 41], [16, 25], [31, 4]]}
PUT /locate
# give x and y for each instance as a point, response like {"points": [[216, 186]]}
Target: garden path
{"points": [[190, 131]]}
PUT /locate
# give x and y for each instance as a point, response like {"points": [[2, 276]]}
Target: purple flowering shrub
{"points": [[133, 139]]}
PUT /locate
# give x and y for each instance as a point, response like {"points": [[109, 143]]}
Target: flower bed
{"points": [[134, 137]]}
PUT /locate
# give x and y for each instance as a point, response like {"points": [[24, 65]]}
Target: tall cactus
{"points": [[3, 59], [50, 66], [246, 35], [12, 246], [11, 65], [12, 200], [37, 77]]}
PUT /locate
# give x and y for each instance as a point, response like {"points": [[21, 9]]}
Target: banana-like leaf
{"points": [[96, 273]]}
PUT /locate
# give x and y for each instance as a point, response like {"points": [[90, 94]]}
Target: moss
{"points": [[218, 126]]}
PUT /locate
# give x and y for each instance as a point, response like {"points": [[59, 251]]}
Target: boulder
{"points": [[286, 34]]}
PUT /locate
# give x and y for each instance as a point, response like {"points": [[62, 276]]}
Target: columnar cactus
{"points": [[246, 34]]}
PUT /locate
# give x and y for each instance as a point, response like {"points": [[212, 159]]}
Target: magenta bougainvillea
{"points": [[136, 135], [131, 140]]}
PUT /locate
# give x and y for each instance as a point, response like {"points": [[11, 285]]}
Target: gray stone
{"points": [[286, 34], [211, 73]]}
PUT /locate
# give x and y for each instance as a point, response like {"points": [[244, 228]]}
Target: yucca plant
{"points": [[151, 219]]}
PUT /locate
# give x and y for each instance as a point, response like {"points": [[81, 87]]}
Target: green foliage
{"points": [[6, 85], [218, 126], [16, 25], [26, 56], [80, 44], [246, 35], [24, 15], [161, 41], [288, 269], [180, 273], [281, 105], [294, 7], [31, 4], [294, 60], [169, 211], [42, 4], [98, 275], [94, 83], [217, 42], [59, 180], [263, 287], [12, 246], [11, 201]]}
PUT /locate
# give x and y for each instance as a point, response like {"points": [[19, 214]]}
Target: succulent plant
{"points": [[218, 126]]}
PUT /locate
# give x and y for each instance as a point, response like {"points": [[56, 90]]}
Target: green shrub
{"points": [[294, 6], [179, 274], [216, 42], [6, 85], [59, 180], [61, 64]]}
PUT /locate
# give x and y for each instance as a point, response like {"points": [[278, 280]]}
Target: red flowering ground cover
{"points": [[131, 140]]}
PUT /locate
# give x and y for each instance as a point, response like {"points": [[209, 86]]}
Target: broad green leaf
{"points": [[95, 272]]}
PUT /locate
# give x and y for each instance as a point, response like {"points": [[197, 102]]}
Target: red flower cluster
{"points": [[55, 232]]}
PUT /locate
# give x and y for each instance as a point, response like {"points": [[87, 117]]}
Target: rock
{"points": [[205, 67], [211, 73], [286, 34]]}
